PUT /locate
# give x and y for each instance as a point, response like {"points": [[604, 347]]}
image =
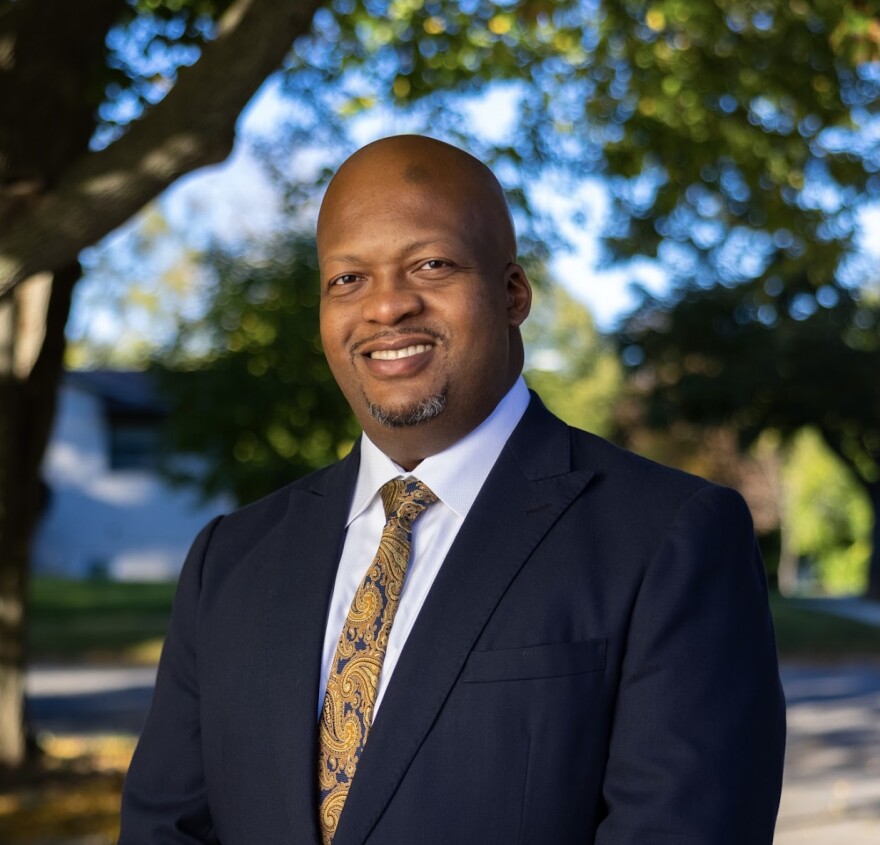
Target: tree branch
{"points": [[192, 127]]}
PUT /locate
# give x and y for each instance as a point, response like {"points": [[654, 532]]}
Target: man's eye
{"points": [[435, 264], [344, 279]]}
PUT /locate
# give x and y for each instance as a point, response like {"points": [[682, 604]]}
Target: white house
{"points": [[108, 510]]}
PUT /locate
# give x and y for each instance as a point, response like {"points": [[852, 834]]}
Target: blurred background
{"points": [[696, 186]]}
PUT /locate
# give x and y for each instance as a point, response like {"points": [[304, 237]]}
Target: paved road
{"points": [[831, 792], [89, 699]]}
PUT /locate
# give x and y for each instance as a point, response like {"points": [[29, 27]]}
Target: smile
{"points": [[406, 352]]}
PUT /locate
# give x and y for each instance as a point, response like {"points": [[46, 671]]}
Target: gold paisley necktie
{"points": [[347, 714]]}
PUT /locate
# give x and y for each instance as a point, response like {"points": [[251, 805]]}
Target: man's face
{"points": [[418, 306]]}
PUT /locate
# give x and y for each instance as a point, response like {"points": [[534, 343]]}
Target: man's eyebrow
{"points": [[350, 258], [345, 259], [415, 245]]}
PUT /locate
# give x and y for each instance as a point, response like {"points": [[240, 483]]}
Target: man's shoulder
{"points": [[655, 495], [610, 459], [272, 509], [607, 462], [651, 489]]}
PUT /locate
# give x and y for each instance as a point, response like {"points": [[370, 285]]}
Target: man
{"points": [[557, 641]]}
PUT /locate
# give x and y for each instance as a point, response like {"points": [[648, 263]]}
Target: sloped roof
{"points": [[121, 391]]}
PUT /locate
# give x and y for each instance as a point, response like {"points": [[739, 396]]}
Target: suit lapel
{"points": [[526, 492], [304, 571]]}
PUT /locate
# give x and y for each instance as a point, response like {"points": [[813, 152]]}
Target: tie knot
{"points": [[405, 498]]}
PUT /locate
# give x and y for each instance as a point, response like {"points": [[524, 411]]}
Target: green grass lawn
{"points": [[97, 620], [105, 620], [805, 633]]}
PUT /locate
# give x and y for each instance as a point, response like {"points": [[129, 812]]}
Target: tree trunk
{"points": [[13, 590], [874, 564], [787, 573], [56, 199], [32, 320]]}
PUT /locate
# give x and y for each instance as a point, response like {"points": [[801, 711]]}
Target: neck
{"points": [[408, 446]]}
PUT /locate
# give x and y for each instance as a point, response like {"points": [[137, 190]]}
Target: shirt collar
{"points": [[455, 474]]}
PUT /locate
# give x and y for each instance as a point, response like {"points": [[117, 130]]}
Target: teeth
{"points": [[394, 354]]}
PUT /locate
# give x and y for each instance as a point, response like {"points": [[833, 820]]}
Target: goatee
{"points": [[417, 414]]}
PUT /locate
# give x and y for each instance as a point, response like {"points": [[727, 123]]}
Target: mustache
{"points": [[386, 333]]}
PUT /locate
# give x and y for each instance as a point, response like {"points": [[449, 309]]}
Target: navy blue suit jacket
{"points": [[595, 663]]}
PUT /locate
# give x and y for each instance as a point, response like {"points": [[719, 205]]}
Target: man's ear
{"points": [[519, 294]]}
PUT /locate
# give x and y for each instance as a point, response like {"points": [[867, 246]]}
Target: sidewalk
{"points": [[831, 788], [89, 699], [851, 607]]}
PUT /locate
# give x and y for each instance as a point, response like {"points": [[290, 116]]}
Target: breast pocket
{"points": [[539, 661]]}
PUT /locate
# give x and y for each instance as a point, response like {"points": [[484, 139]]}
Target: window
{"points": [[134, 442]]}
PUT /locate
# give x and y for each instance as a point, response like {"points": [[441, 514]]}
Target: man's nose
{"points": [[391, 298]]}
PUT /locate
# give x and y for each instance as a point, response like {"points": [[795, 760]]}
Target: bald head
{"points": [[377, 174]]}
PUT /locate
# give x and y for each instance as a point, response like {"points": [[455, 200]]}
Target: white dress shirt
{"points": [[456, 476]]}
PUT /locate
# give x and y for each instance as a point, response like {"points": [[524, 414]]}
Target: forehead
{"points": [[398, 210]]}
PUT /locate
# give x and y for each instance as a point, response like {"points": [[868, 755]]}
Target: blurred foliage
{"points": [[572, 367], [596, 73], [250, 394], [712, 120], [737, 119], [137, 288], [708, 357], [828, 516]]}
